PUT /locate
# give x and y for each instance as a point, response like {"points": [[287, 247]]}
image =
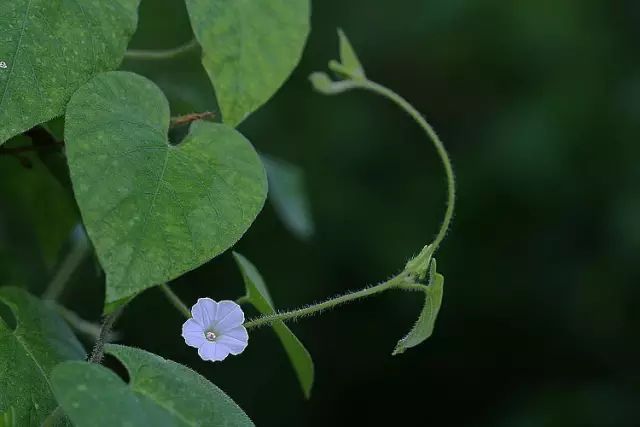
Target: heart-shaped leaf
{"points": [[154, 210], [50, 48], [249, 48], [28, 353], [258, 296], [160, 393], [423, 327]]}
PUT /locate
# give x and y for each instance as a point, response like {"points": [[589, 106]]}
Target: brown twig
{"points": [[190, 118], [43, 140]]}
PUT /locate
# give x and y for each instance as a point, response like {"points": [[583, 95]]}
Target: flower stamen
{"points": [[210, 336]]}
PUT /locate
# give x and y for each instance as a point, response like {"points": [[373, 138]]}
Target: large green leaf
{"points": [[249, 48], [423, 328], [28, 354], [258, 296], [288, 194], [160, 393], [51, 47], [153, 210]]}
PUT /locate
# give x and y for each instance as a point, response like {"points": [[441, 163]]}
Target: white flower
{"points": [[216, 329]]}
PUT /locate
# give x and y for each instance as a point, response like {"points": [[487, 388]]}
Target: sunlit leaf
{"points": [[28, 353], [288, 194], [249, 48], [153, 210], [259, 297], [159, 393], [51, 47]]}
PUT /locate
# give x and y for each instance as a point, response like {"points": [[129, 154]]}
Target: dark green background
{"points": [[538, 102]]}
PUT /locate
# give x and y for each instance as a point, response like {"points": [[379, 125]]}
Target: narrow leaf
{"points": [[423, 328], [259, 297], [28, 354], [288, 194], [249, 48], [49, 48], [348, 57], [160, 393], [154, 210]]}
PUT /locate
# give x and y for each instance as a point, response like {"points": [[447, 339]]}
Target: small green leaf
{"points": [[350, 62], [51, 47], [258, 296], [160, 393], [423, 328], [153, 210], [28, 354], [288, 194], [249, 48], [419, 265]]}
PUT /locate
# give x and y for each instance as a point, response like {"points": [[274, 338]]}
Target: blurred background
{"points": [[538, 102]]}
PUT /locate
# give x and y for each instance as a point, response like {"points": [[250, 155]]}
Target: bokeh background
{"points": [[538, 102]]}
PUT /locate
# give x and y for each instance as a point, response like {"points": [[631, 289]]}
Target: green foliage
{"points": [[423, 328], [159, 393], [249, 48], [157, 200], [50, 48], [349, 64], [34, 200], [154, 210], [259, 297], [28, 354], [288, 194]]}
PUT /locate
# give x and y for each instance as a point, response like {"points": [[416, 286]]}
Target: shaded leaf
{"points": [[50, 48], [153, 210], [160, 393], [249, 48], [423, 328], [288, 194], [32, 200], [259, 297], [28, 354]]}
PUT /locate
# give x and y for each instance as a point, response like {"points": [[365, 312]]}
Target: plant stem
{"points": [[91, 330], [175, 300], [69, 265], [431, 133], [161, 54], [98, 350], [190, 118], [395, 282]]}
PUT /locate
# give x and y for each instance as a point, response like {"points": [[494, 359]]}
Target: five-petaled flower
{"points": [[216, 329]]}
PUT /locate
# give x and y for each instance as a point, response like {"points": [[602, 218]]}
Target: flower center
{"points": [[209, 335]]}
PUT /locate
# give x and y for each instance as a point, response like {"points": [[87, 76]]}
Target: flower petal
{"points": [[193, 333], [236, 340], [213, 351], [229, 316], [204, 312]]}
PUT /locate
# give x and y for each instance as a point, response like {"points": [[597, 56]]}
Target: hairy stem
{"points": [[433, 136], [105, 331], [175, 300], [161, 54], [395, 282]]}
